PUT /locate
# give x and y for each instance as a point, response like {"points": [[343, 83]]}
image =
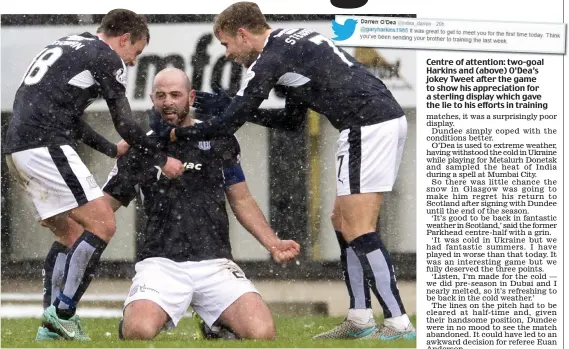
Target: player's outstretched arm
{"points": [[223, 125], [251, 217], [91, 138], [213, 103], [290, 118]]}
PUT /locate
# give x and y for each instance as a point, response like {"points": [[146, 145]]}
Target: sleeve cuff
{"points": [[124, 200], [113, 151], [160, 159]]}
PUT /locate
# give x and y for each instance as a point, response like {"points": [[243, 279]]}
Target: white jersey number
{"points": [[318, 39], [41, 64]]}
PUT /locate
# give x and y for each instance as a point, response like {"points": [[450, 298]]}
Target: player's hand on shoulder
{"points": [[172, 168], [212, 103], [285, 251], [122, 148]]}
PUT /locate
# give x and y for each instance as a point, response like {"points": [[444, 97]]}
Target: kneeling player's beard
{"points": [[180, 114]]}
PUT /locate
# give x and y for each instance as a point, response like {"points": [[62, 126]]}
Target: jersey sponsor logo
{"points": [[192, 166], [120, 74], [187, 166], [206, 145]]}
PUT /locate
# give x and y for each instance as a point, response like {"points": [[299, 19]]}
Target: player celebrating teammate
{"points": [[60, 83], [316, 74], [186, 256]]}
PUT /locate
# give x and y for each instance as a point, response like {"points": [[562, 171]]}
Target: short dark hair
{"points": [[120, 21], [243, 14]]}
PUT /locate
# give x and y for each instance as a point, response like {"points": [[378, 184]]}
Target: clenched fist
{"points": [[172, 168], [285, 251], [122, 148]]}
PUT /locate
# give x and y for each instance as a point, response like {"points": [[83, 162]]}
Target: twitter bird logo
{"points": [[344, 31]]}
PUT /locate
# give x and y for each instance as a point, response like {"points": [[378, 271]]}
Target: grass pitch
{"points": [[292, 332]]}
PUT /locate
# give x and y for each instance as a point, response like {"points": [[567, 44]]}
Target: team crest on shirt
{"points": [[121, 76], [206, 145]]}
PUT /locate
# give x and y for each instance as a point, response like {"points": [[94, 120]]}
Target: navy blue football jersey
{"points": [[313, 72], [59, 84], [187, 216]]}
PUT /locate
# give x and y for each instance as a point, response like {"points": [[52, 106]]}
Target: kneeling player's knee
{"points": [[264, 330], [267, 333], [138, 328]]}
